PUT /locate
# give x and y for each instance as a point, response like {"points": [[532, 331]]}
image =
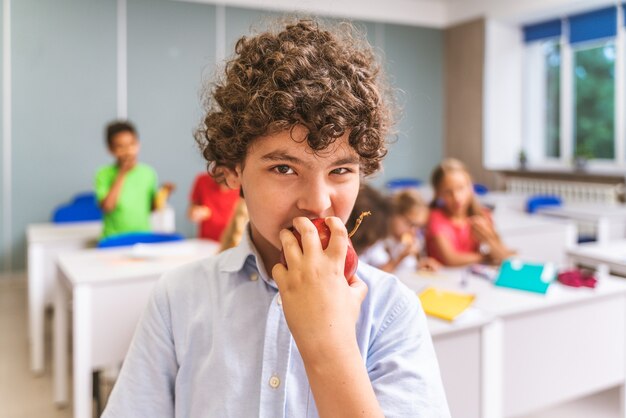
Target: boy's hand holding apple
{"points": [[320, 306]]}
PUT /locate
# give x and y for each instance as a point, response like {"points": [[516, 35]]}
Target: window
{"points": [[594, 101], [552, 65], [571, 107], [543, 90]]}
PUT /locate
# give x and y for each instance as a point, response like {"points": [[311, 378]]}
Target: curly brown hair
{"points": [[327, 81]]}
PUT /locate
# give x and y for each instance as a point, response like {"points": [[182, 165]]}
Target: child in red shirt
{"points": [[459, 230], [211, 206]]}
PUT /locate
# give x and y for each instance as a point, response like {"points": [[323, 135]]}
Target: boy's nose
{"points": [[314, 199]]}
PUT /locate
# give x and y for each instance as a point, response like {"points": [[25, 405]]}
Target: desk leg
{"points": [[82, 352], [622, 389], [571, 235], [604, 231], [36, 308], [60, 348], [491, 359]]}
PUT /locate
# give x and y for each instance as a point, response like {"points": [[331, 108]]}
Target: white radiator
{"points": [[569, 191]]}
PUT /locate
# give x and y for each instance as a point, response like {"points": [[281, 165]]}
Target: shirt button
{"points": [[254, 276], [279, 300], [274, 381]]}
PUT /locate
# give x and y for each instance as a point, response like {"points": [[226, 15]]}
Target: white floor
{"points": [[23, 395]]}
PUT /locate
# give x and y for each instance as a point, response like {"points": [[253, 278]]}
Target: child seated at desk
{"points": [[127, 190], [391, 237], [211, 206], [460, 231]]}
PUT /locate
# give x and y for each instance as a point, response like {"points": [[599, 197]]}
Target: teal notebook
{"points": [[517, 274]]}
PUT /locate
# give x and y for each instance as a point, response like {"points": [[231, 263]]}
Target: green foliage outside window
{"points": [[594, 83], [552, 57]]}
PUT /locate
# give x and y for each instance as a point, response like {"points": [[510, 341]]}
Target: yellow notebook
{"points": [[444, 304]]}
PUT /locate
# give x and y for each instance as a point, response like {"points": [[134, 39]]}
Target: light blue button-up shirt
{"points": [[213, 342]]}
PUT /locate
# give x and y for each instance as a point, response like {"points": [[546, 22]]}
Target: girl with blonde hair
{"points": [[460, 231]]}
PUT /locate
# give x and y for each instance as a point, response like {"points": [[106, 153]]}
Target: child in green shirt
{"points": [[127, 189]]}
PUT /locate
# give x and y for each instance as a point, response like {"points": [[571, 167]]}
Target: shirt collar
{"points": [[245, 257]]}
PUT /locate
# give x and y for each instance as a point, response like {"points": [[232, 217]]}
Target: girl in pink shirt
{"points": [[459, 230]]}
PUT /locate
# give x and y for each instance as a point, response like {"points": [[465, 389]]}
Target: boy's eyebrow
{"points": [[281, 156], [285, 156], [352, 159]]}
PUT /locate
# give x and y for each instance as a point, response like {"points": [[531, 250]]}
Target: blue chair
{"points": [[582, 239], [133, 238], [535, 202], [480, 189], [82, 208], [403, 183], [87, 198], [541, 201]]}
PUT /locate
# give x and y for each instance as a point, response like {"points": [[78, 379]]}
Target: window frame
{"points": [[534, 106]]}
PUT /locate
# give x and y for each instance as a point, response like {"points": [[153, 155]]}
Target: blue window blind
{"points": [[593, 25], [543, 30]]}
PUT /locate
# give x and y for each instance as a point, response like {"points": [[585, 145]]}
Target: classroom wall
{"points": [[3, 254], [414, 62], [65, 81], [170, 47], [464, 63], [63, 88]]}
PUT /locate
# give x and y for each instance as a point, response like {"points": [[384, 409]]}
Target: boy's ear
{"points": [[232, 176]]}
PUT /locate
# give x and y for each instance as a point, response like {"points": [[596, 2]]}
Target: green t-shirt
{"points": [[134, 204]]}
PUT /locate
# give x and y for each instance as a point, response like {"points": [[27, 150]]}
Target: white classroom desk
{"points": [[108, 290], [609, 219], [504, 200], [545, 349], [44, 242], [462, 349], [535, 238], [611, 254]]}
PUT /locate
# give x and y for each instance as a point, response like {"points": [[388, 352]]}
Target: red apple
{"points": [[352, 260]]}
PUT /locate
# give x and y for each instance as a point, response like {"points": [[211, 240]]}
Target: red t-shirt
{"points": [[207, 192], [458, 234]]}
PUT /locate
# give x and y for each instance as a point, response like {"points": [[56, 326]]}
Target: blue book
{"points": [[531, 277]]}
